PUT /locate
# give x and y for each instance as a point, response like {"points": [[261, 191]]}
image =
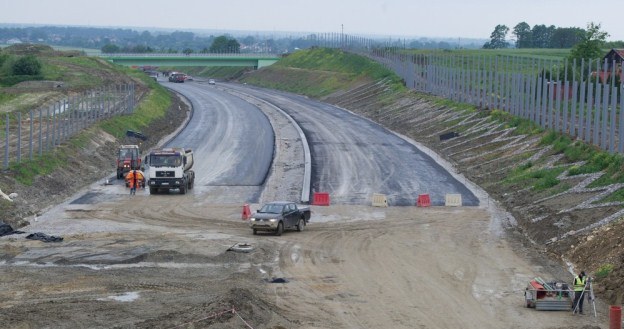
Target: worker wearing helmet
{"points": [[579, 284]]}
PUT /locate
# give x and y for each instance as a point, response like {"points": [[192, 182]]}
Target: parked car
{"points": [[278, 216], [211, 82]]}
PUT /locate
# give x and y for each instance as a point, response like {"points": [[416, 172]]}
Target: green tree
{"points": [[522, 32], [542, 36], [566, 37], [27, 65], [187, 51], [590, 46], [141, 49], [497, 38], [223, 44], [110, 49]]}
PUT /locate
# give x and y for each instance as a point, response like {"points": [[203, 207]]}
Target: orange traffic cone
{"points": [[246, 212]]}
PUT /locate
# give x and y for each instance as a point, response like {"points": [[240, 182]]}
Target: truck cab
{"points": [[169, 168], [128, 158]]}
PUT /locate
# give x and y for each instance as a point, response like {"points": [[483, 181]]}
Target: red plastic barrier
{"points": [[423, 200], [246, 212], [615, 317], [320, 199]]}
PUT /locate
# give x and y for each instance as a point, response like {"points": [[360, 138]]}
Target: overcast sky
{"points": [[392, 18]]}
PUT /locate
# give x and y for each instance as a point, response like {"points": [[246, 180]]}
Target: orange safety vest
{"points": [[132, 178]]}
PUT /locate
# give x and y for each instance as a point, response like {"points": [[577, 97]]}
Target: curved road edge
{"points": [[307, 172], [500, 219], [189, 117]]}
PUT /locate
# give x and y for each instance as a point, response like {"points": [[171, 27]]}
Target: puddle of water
{"points": [[127, 297]]}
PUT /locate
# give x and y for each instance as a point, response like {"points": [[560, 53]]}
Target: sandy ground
{"points": [[162, 261]]}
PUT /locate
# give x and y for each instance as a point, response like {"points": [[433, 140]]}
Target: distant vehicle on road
{"points": [[278, 216], [177, 77], [188, 78], [211, 82]]}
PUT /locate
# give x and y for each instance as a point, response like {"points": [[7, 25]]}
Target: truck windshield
{"points": [[165, 160], [128, 153], [271, 208]]}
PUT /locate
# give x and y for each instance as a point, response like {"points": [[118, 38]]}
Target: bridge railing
{"points": [[197, 55]]}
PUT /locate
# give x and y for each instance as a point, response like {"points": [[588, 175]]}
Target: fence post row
{"points": [[61, 120], [585, 105]]}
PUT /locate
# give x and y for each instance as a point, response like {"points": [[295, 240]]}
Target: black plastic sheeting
{"points": [[279, 280], [44, 237], [6, 229], [450, 135], [136, 134]]}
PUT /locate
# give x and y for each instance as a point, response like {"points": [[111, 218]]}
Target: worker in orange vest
{"points": [[134, 178]]}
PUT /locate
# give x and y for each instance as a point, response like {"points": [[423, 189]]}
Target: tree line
{"points": [[541, 36], [133, 41], [221, 44], [114, 40]]}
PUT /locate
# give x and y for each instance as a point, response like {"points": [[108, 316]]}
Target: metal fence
{"points": [[583, 100], [39, 131]]}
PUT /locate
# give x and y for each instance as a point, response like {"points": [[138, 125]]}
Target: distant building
{"points": [[13, 41], [613, 57]]}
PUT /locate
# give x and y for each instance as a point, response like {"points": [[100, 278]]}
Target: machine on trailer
{"points": [[548, 296]]}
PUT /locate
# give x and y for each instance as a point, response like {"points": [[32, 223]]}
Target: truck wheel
{"points": [[255, 232], [301, 225], [153, 190], [280, 229], [183, 189]]}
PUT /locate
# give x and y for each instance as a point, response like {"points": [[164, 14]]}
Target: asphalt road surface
{"points": [[353, 158], [232, 142]]}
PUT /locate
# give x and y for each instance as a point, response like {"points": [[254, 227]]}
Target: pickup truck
{"points": [[278, 216]]}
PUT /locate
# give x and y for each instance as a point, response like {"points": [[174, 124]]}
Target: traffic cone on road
{"points": [[246, 212]]}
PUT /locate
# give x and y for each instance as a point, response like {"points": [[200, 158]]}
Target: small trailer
{"points": [[548, 296]]}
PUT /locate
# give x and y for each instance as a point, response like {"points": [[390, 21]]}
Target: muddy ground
{"points": [[163, 261]]}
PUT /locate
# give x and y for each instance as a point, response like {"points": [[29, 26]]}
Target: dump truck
{"points": [[128, 158], [169, 169]]}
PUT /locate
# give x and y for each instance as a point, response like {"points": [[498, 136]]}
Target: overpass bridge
{"points": [[255, 60]]}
